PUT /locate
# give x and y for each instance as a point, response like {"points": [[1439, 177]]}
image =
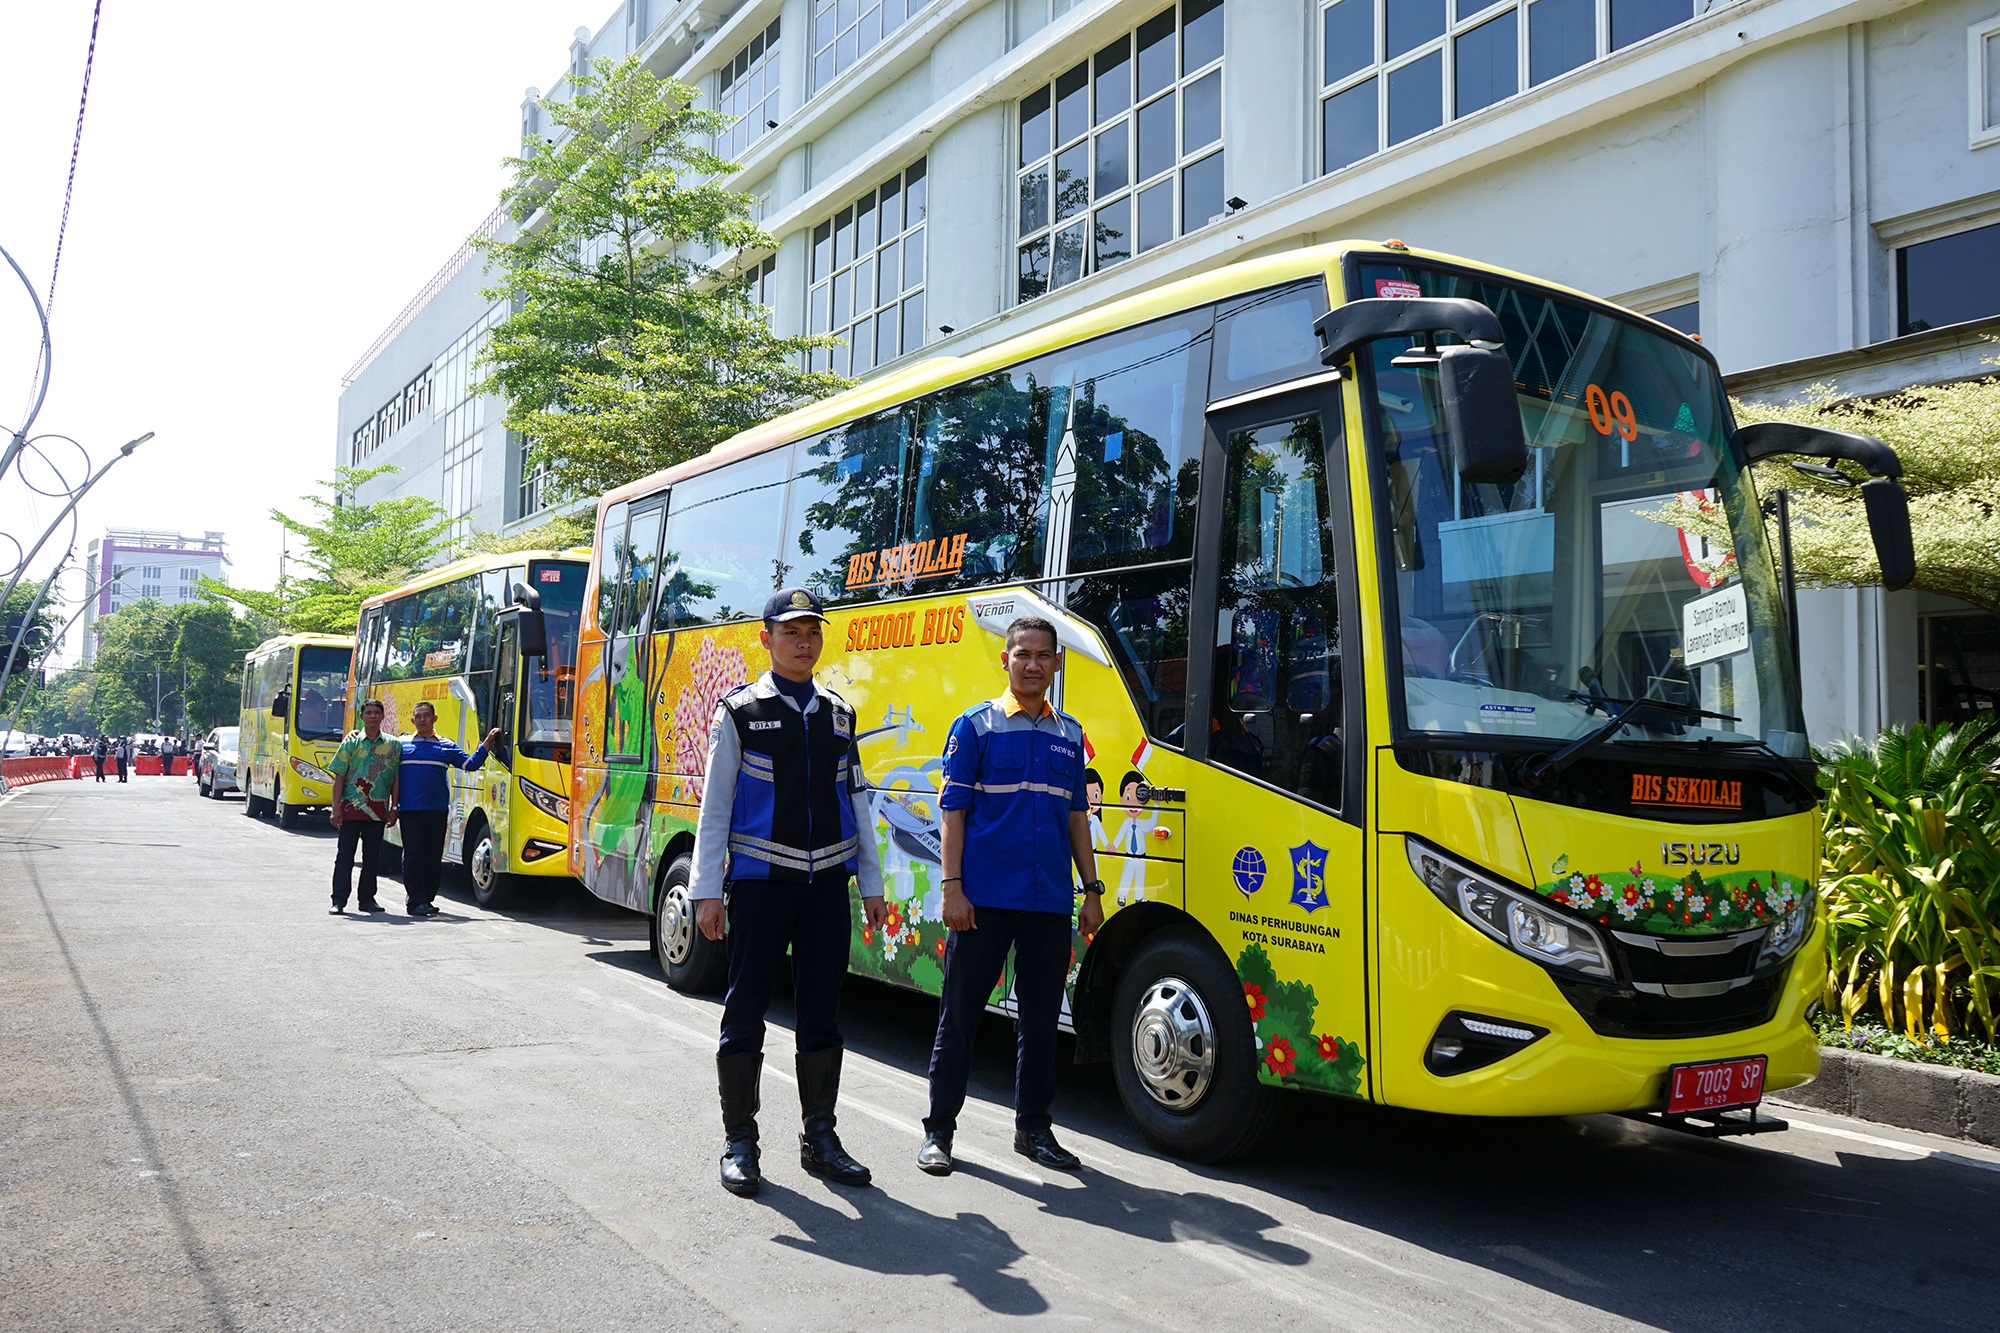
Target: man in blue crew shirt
{"points": [[1016, 816], [425, 802], [785, 796]]}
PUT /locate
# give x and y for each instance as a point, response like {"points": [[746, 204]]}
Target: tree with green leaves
{"points": [[352, 552], [34, 641], [1948, 438], [625, 352]]}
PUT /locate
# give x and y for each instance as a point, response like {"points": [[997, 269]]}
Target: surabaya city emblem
{"points": [[1309, 876]]}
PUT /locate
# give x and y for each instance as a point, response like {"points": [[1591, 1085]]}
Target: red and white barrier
{"points": [[21, 772]]}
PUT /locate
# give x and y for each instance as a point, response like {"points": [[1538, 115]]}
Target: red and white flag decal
{"points": [[1142, 754]]}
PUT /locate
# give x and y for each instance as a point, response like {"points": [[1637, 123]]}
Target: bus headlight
{"points": [[1517, 920], [554, 806], [1791, 930], [311, 772]]}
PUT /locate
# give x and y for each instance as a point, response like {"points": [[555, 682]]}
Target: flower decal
{"points": [[1329, 1047], [1254, 997], [1278, 1055]]}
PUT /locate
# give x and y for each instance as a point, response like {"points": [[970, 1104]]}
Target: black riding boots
{"points": [[739, 1078], [819, 1147]]}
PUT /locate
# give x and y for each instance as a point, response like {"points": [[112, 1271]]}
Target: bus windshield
{"points": [[322, 702], [549, 681], [1535, 611]]}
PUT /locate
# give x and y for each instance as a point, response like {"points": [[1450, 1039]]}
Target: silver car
{"points": [[215, 766]]}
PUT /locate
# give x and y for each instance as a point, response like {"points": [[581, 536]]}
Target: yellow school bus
{"points": [[1431, 761], [294, 706], [489, 642]]}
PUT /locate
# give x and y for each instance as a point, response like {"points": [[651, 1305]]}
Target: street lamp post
{"points": [[76, 498]]}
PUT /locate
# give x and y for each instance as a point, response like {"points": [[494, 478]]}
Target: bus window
{"points": [[981, 476], [845, 506], [1267, 338], [1138, 428], [321, 708], [1275, 705], [723, 542], [550, 680], [1143, 616], [611, 542]]}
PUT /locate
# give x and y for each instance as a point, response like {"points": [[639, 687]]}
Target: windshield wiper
{"points": [[1543, 767]]}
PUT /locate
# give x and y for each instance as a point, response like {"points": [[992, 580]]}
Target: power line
{"points": [[75, 151]]}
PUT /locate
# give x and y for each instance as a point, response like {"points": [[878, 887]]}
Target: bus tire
{"points": [[491, 888], [1184, 1052], [288, 814], [691, 962]]}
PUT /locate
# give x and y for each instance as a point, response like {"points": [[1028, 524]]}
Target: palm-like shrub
{"points": [[1911, 877]]}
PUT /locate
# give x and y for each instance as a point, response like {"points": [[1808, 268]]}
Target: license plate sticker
{"points": [[1716, 1085]]}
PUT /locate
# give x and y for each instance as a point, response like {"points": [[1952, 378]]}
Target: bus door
{"points": [[1275, 803], [622, 818]]}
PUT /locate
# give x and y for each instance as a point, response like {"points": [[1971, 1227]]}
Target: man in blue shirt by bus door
{"points": [[426, 803], [1016, 816]]}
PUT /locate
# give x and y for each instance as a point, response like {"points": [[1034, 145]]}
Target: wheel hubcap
{"points": [[482, 864], [676, 925], [1173, 1044]]}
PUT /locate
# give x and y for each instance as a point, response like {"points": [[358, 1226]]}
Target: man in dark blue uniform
{"points": [[784, 795], [425, 802], [1016, 816]]}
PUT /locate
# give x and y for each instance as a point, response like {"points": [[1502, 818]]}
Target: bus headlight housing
{"points": [[554, 806], [1523, 923], [1791, 930], [311, 772]]}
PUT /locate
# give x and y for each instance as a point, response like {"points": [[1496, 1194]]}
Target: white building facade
{"points": [[1795, 180], [128, 565]]}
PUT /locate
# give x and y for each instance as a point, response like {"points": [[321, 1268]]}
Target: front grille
{"points": [[1616, 1012], [1647, 960]]}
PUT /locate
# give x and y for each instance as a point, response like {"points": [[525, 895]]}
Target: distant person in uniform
{"points": [[785, 796], [366, 769], [425, 799], [122, 752], [1016, 817], [167, 757], [100, 749]]}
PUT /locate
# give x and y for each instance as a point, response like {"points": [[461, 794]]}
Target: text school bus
{"points": [[1431, 764], [489, 642], [293, 710]]}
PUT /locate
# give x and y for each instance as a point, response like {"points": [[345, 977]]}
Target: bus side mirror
{"points": [[532, 632], [1887, 504], [281, 705], [1476, 387]]}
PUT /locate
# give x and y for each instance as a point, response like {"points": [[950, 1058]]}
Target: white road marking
{"points": [[1913, 1149]]}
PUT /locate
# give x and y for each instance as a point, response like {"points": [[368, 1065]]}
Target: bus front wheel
{"points": [[491, 887], [288, 814], [692, 962], [1185, 1051]]}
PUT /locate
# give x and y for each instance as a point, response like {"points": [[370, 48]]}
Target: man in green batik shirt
{"points": [[367, 774]]}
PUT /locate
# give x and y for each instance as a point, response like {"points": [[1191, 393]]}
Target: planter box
{"points": [[1931, 1099]]}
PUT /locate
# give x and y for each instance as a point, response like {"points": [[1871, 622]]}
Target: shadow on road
{"points": [[896, 1240]]}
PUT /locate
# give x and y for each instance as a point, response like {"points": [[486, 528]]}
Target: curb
{"points": [[1931, 1099]]}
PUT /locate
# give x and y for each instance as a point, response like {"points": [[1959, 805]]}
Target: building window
{"points": [[1123, 152], [1391, 70], [1983, 95], [464, 415], [1948, 280], [531, 492], [149, 590], [747, 89], [150, 572], [761, 282], [1958, 669], [843, 31], [187, 593], [1686, 317], [867, 279], [190, 574]]}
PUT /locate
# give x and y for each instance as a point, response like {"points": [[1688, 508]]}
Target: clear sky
{"points": [[262, 187]]}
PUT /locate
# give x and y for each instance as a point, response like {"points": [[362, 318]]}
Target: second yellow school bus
{"points": [[1431, 763], [456, 639], [294, 706]]}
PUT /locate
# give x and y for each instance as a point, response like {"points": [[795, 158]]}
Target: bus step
{"points": [[1712, 1124]]}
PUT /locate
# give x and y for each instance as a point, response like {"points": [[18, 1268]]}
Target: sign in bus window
{"points": [[845, 501]]}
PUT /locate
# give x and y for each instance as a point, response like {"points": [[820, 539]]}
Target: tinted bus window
{"points": [[981, 470], [321, 709], [1267, 338], [722, 542], [550, 680], [1137, 420], [845, 506]]}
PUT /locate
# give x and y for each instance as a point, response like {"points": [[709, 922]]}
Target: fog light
{"points": [[1465, 1042]]}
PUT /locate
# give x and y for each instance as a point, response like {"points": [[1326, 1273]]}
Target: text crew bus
{"points": [[294, 710], [1428, 764], [455, 638]]}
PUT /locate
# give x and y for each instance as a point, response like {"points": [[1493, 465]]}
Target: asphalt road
{"points": [[222, 1108]]}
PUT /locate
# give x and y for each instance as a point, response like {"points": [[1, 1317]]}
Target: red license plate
{"points": [[1716, 1085]]}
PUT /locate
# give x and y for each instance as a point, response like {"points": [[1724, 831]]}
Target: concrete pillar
{"points": [[1268, 84], [971, 178]]}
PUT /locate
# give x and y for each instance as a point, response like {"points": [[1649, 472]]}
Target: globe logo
{"points": [[1248, 869]]}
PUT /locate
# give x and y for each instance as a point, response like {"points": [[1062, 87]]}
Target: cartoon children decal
{"points": [[1093, 789], [1131, 840]]}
